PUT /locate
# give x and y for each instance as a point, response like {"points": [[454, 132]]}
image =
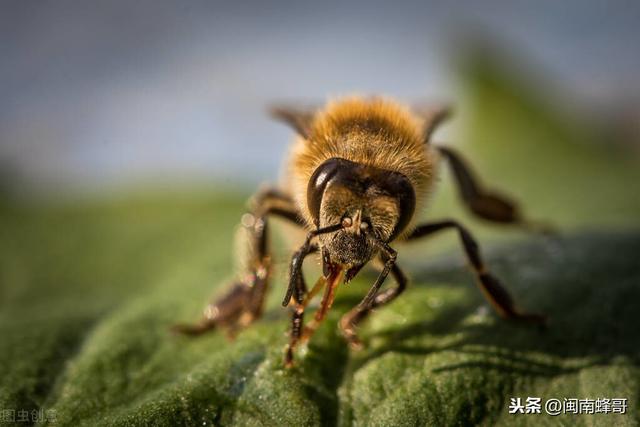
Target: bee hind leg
{"points": [[484, 204]]}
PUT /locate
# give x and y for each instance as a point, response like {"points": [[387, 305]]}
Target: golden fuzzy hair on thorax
{"points": [[372, 131]]}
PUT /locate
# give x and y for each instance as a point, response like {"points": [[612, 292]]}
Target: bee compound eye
{"points": [[318, 183]]}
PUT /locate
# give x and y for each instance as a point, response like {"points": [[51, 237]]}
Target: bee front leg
{"points": [[298, 289], [353, 318], [373, 299], [243, 302], [490, 286]]}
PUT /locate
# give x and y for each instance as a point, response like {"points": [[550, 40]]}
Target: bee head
{"points": [[370, 203]]}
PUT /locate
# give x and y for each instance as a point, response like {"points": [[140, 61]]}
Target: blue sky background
{"points": [[101, 94]]}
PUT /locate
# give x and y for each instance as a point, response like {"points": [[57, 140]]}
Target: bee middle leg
{"points": [[243, 302], [490, 286]]}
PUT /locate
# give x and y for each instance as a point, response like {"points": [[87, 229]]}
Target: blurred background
{"points": [[106, 95]]}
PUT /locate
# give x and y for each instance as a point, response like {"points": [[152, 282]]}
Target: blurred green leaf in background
{"points": [[89, 290]]}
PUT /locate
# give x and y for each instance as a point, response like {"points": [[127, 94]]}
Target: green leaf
{"points": [[101, 354]]}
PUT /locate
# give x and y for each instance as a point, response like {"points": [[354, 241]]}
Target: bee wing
{"points": [[432, 116], [299, 118]]}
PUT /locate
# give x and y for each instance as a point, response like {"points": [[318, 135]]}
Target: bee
{"points": [[358, 173]]}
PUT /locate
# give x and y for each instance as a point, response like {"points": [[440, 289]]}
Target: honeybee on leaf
{"points": [[357, 176]]}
